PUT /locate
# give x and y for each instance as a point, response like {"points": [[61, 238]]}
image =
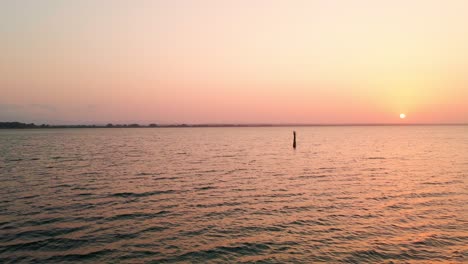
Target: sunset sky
{"points": [[242, 61]]}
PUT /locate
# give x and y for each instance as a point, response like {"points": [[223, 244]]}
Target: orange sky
{"points": [[214, 61]]}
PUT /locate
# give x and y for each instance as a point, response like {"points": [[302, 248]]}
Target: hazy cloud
{"points": [[44, 107]]}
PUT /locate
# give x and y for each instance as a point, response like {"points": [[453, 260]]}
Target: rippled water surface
{"points": [[216, 195]]}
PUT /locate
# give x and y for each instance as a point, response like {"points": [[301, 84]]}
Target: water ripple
{"points": [[234, 195]]}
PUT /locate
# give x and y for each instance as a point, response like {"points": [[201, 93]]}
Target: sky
{"points": [[243, 61]]}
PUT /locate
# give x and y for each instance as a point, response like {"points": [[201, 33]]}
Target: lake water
{"points": [[216, 195]]}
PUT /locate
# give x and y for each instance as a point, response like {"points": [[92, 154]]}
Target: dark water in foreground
{"points": [[215, 195]]}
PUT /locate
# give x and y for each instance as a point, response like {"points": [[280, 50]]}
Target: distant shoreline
{"points": [[19, 125]]}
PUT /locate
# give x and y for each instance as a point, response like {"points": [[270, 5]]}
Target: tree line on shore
{"points": [[19, 125]]}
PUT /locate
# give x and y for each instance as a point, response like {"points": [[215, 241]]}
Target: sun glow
{"points": [[402, 116]]}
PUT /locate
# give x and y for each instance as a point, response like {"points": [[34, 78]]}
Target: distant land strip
{"points": [[19, 125]]}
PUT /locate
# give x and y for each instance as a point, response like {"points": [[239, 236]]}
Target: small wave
{"points": [[137, 216], [92, 256], [73, 206], [243, 189], [225, 156], [146, 174], [144, 194], [282, 195], [327, 168], [218, 204], [29, 197], [154, 229], [90, 173], [84, 194], [277, 174], [137, 255], [43, 221], [233, 171], [442, 183], [15, 160], [84, 188], [41, 233], [309, 223], [208, 171], [197, 232], [400, 205], [63, 186], [205, 188], [437, 241], [50, 244], [223, 214], [166, 178], [311, 176], [223, 253], [379, 198], [370, 256], [380, 254], [258, 229], [373, 169], [429, 194]]}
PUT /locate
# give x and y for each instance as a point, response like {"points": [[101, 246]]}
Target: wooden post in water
{"points": [[294, 141]]}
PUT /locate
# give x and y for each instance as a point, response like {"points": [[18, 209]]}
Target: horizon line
{"points": [[162, 125]]}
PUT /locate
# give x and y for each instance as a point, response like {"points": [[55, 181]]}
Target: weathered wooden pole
{"points": [[294, 141]]}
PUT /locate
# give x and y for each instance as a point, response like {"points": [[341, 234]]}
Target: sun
{"points": [[402, 116]]}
